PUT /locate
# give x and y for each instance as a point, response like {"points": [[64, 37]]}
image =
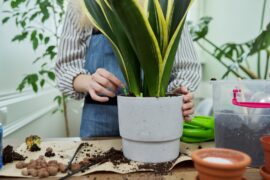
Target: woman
{"points": [[87, 68]]}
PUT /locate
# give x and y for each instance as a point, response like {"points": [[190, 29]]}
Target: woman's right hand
{"points": [[101, 85]]}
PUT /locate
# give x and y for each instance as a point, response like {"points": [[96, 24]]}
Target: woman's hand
{"points": [[101, 85], [188, 104]]}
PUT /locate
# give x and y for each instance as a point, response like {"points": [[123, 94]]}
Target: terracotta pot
{"points": [[265, 140], [265, 175], [220, 164]]}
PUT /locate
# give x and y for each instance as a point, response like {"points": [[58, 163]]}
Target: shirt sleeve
{"points": [[71, 53], [186, 69]]}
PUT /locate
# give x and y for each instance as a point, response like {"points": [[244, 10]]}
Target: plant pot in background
{"points": [[220, 164], [265, 175], [265, 140], [150, 127]]}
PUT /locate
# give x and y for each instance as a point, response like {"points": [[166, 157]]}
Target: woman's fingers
{"points": [[95, 97], [103, 85], [107, 75], [188, 97], [104, 82], [188, 118], [181, 90], [188, 112], [100, 90], [187, 105]]}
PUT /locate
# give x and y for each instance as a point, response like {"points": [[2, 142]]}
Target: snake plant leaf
{"points": [[97, 17], [178, 9], [169, 12], [175, 39], [129, 61], [143, 41], [107, 22], [142, 38], [158, 24], [164, 6]]}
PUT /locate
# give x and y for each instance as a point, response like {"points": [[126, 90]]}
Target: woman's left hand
{"points": [[188, 102]]}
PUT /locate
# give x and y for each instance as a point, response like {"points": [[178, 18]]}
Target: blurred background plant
{"points": [[39, 22], [237, 57]]}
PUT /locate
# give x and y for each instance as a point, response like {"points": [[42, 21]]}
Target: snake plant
{"points": [[144, 39]]}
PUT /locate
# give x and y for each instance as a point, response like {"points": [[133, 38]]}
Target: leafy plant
{"points": [[38, 22], [142, 39], [32, 18], [233, 56]]}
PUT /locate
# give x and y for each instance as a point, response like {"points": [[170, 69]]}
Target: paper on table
{"points": [[65, 149]]}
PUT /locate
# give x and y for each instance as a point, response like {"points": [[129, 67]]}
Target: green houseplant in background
{"points": [[38, 22], [145, 39], [236, 57], [233, 56], [238, 126]]}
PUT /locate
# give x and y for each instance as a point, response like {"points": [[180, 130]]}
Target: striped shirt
{"points": [[72, 51]]}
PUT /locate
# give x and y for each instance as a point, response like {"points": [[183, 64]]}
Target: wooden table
{"points": [[183, 171]]}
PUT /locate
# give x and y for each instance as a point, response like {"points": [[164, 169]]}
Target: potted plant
{"points": [[145, 40], [265, 170]]}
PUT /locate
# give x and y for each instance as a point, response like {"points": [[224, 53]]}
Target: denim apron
{"points": [[100, 119]]}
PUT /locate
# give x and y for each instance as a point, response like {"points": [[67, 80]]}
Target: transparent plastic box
{"points": [[242, 115]]}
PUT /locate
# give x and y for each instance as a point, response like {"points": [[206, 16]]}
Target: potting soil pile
{"points": [[103, 155]]}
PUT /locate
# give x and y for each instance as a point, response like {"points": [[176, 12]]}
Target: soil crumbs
{"points": [[9, 155], [117, 158]]}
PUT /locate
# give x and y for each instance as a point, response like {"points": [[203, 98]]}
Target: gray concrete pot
{"points": [[150, 127]]}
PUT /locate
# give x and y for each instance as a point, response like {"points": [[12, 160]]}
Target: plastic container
{"points": [[242, 116]]}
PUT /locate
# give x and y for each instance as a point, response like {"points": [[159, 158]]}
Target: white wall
{"points": [[234, 21], [24, 113], [29, 113], [74, 116]]}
